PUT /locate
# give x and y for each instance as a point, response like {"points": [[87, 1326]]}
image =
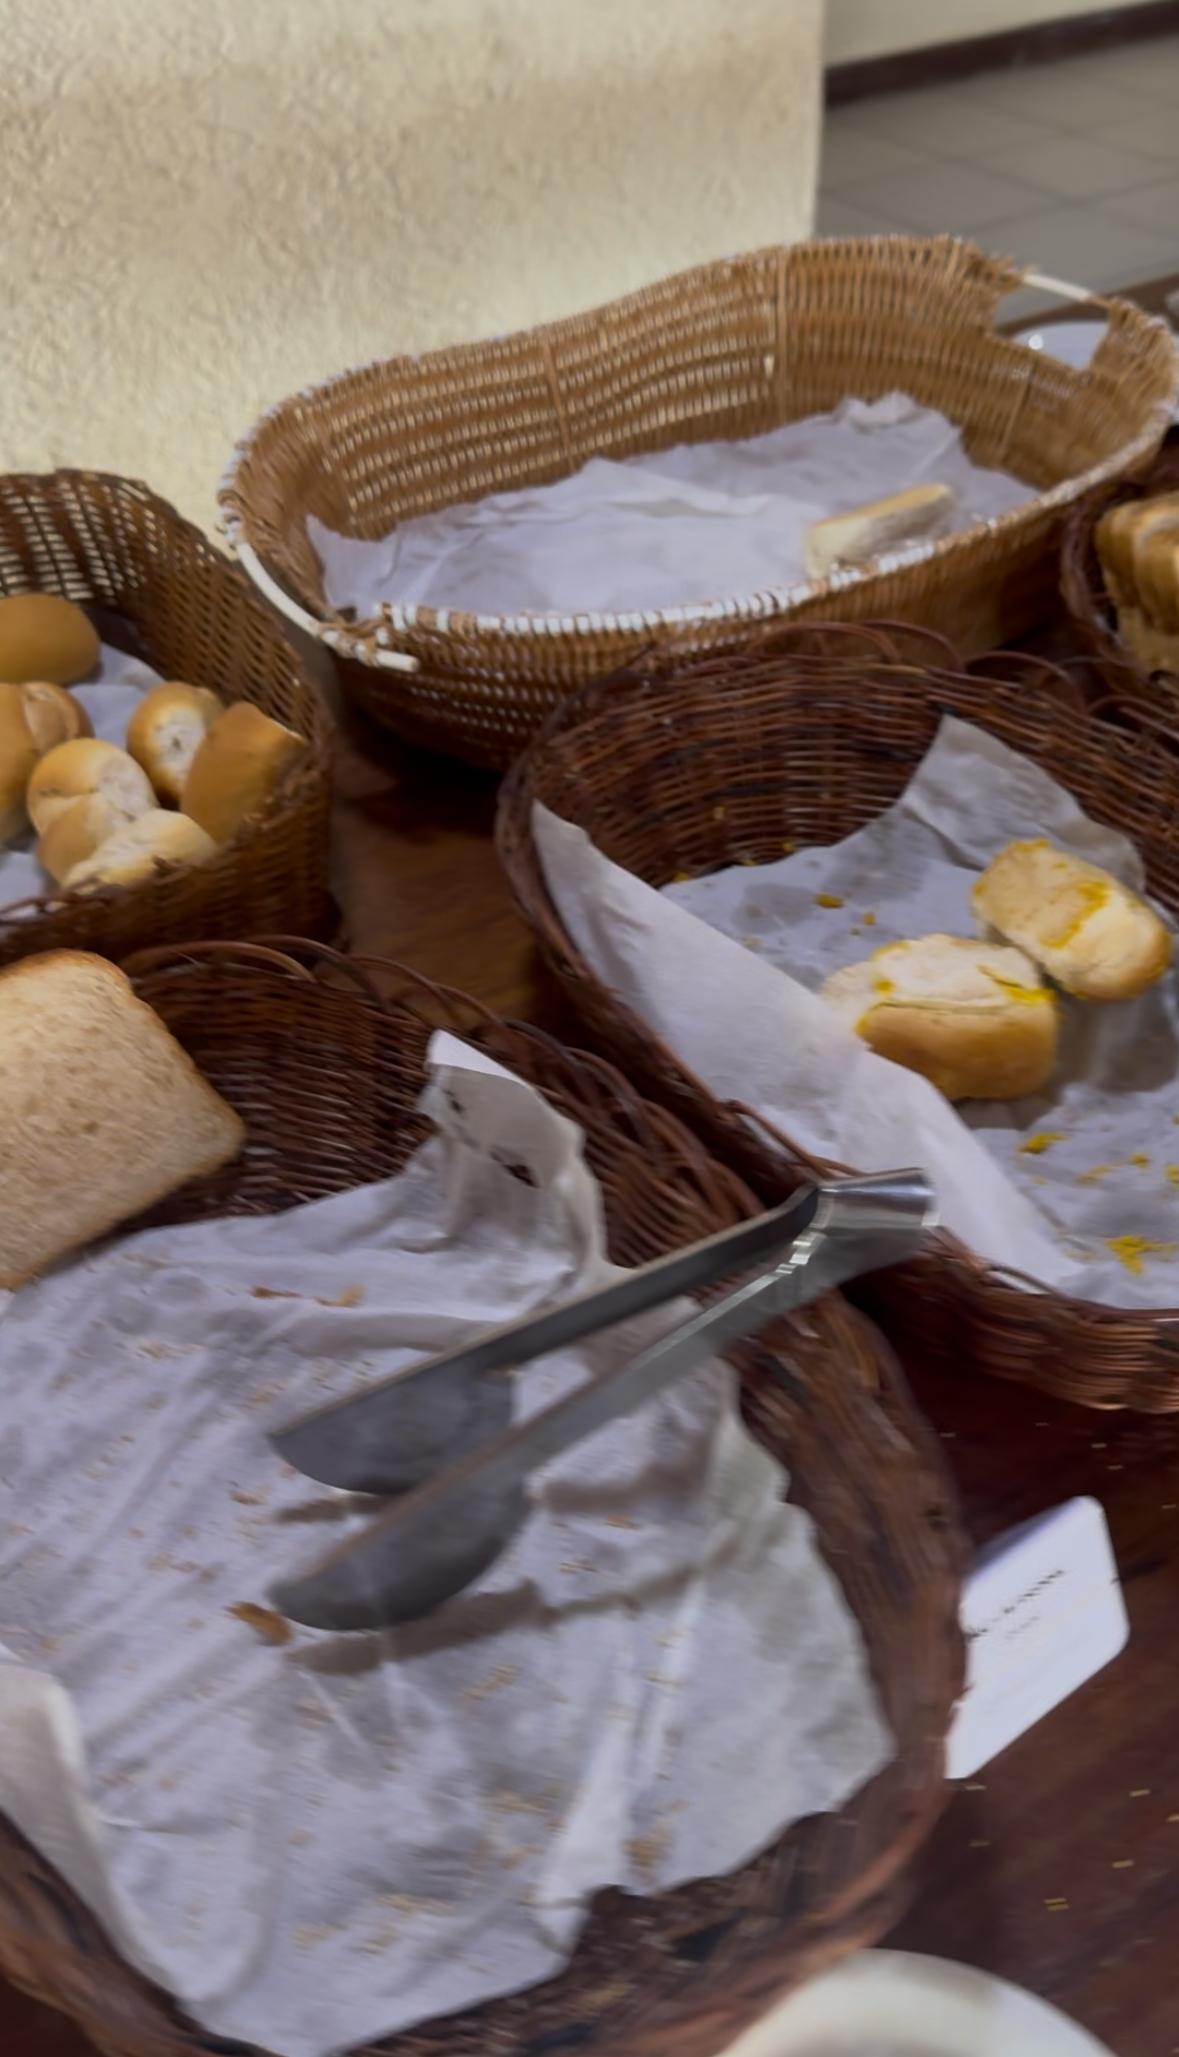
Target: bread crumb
{"points": [[1043, 1139], [1171, 1174], [719, 813], [788, 849], [1138, 1157], [265, 1623], [869, 920], [681, 878], [1130, 1251], [828, 900], [1090, 1177], [246, 1499], [1122, 1864]]}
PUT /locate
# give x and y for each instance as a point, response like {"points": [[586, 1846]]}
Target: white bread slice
{"points": [[920, 512], [135, 850], [74, 770], [102, 1111], [973, 1018], [1090, 933], [166, 730]]}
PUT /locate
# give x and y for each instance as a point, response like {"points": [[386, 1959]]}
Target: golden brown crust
{"points": [[237, 768], [43, 636], [969, 1053], [152, 732], [53, 714]]}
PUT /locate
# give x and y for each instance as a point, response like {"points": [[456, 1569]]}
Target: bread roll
{"points": [[236, 769], [101, 1110], [138, 847], [45, 637], [1119, 537], [1156, 576], [76, 833], [166, 729], [867, 532], [973, 1018], [75, 770], [1094, 936], [1154, 649], [53, 715], [18, 755]]}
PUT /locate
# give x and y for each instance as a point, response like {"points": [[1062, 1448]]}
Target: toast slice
{"points": [[101, 1111]]}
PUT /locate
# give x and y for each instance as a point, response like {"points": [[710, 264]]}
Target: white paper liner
{"points": [[666, 528], [725, 969], [318, 1844]]}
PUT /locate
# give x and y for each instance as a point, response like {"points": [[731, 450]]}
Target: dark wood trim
{"points": [[1033, 43]]}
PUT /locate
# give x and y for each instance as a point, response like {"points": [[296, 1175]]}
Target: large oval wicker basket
{"points": [[324, 1059], [156, 588], [728, 350], [1089, 607], [668, 776]]}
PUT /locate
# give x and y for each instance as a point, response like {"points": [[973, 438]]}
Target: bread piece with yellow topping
{"points": [[1089, 932], [973, 1018]]}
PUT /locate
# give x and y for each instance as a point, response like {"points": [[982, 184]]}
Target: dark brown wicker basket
{"points": [[1089, 607], [325, 1061], [156, 587], [669, 776]]}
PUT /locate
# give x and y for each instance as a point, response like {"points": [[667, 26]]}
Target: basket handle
{"points": [[279, 598]]}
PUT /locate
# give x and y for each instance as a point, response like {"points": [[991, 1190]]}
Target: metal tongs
{"points": [[439, 1440]]}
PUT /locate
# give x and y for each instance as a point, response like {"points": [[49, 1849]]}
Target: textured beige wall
{"points": [[207, 203], [877, 28]]}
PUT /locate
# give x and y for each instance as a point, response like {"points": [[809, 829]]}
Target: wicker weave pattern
{"points": [[150, 577], [324, 1059], [726, 350], [1090, 610], [727, 760]]}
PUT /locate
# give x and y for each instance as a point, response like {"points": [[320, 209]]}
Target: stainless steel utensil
{"points": [[439, 1436]]}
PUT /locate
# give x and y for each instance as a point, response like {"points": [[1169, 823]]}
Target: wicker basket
{"points": [[325, 1060], [669, 776], [156, 588], [727, 350], [1089, 607]]}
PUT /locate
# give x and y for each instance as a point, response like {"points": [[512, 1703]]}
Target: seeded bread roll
{"points": [[1090, 933], [973, 1018], [166, 730], [134, 851], [75, 770], [236, 769]]}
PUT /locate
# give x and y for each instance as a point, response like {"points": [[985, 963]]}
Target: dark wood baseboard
{"points": [[1035, 43]]}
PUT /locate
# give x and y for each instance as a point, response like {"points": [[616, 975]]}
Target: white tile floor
{"points": [[1071, 167]]}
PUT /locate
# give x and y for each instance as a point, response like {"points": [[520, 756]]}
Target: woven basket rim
{"points": [[365, 639], [521, 863], [283, 801], [129, 2017]]}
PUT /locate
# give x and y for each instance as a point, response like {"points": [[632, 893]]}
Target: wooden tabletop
{"points": [[1085, 1809]]}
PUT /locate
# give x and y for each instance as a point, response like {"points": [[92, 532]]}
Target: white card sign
{"points": [[1042, 1611]]}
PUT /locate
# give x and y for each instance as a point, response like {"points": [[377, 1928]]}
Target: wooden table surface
{"points": [[1084, 1809]]}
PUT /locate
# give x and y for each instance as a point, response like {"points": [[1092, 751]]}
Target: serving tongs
{"points": [[438, 1439]]}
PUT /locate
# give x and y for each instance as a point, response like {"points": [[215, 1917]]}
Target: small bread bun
{"points": [[915, 515], [134, 851], [236, 769], [74, 770], [1090, 933], [18, 755], [166, 729], [973, 1018], [78, 831], [53, 715], [45, 637]]}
